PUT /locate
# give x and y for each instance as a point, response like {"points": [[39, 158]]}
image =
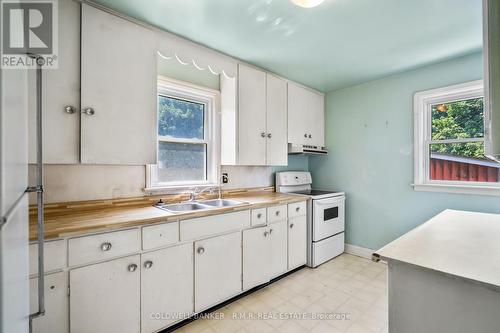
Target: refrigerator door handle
{"points": [[39, 194]]}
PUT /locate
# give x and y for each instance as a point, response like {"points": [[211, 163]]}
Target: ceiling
{"points": [[337, 44]]}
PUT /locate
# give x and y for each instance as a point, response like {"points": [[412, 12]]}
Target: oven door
{"points": [[328, 217]]}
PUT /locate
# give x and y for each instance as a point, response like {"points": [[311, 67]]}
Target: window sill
{"points": [[176, 189], [459, 189]]}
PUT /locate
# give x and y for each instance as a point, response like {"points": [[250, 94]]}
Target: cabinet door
{"points": [[297, 241], [256, 258], [166, 287], [56, 318], [118, 83], [277, 143], [298, 118], [106, 297], [61, 89], [252, 116], [278, 253], [317, 123], [217, 270]]}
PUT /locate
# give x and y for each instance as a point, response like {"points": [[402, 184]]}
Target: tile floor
{"points": [[351, 289]]}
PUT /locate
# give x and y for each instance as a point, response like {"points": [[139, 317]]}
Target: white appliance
{"points": [[14, 223], [325, 216]]}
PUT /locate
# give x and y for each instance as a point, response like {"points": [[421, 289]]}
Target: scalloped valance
{"points": [[187, 52]]}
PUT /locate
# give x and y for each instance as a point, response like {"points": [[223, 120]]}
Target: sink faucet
{"points": [[196, 191]]}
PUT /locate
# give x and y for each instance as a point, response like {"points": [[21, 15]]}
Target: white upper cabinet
{"points": [[277, 148], [61, 94], [118, 90], [306, 116], [252, 116], [254, 129]]}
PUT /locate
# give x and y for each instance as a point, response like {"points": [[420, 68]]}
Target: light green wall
{"points": [[295, 163], [187, 73], [369, 135]]}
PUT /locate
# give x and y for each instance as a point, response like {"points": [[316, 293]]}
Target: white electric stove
{"points": [[325, 216]]}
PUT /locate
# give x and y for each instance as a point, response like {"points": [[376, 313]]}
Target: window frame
{"points": [[211, 100], [423, 102]]}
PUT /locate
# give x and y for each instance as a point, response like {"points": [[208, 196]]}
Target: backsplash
{"points": [[78, 182]]}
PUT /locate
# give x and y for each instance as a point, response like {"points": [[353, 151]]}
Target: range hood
{"points": [[491, 21], [306, 149]]}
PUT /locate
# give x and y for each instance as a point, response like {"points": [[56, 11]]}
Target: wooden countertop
{"points": [[462, 244], [74, 219]]}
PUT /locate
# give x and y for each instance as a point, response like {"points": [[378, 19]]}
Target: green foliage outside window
{"points": [[459, 120]]}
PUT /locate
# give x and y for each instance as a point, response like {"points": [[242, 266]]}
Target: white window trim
{"points": [[423, 102], [211, 99]]}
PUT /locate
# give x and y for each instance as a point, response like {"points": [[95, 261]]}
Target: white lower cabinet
{"points": [[256, 257], [217, 270], [105, 297], [278, 254], [297, 241], [166, 287], [55, 319]]}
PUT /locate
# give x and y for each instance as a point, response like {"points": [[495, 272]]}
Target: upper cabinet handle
{"points": [[305, 135], [69, 109], [263, 134], [88, 111], [310, 136], [269, 135]]}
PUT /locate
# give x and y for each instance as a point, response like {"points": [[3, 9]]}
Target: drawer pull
{"points": [[200, 250], [106, 246], [291, 225], [148, 264], [132, 267]]}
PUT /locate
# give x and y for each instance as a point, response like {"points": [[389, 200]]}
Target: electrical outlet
{"points": [[225, 178]]}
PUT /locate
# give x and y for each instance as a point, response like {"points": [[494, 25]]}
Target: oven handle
{"points": [[329, 202]]}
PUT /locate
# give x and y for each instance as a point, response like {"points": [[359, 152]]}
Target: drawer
{"points": [[54, 256], [83, 250], [276, 213], [297, 209], [259, 216], [160, 235], [212, 225]]}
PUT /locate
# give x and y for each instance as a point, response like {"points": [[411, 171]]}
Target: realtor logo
{"points": [[29, 29]]}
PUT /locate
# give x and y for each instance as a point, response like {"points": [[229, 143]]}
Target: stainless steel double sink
{"points": [[190, 206]]}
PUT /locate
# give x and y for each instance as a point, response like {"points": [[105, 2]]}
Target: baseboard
{"points": [[359, 251]]}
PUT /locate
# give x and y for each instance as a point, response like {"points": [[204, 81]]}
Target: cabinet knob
{"points": [[297, 209], [259, 215], [291, 225], [106, 246], [305, 135], [69, 109], [266, 234], [310, 136], [277, 213], [132, 267], [88, 111], [148, 264], [270, 231], [263, 134], [269, 135], [200, 250]]}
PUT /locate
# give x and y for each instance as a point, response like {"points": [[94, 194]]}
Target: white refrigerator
{"points": [[14, 293], [15, 316]]}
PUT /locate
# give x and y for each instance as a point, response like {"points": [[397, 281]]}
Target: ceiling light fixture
{"points": [[307, 3]]}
